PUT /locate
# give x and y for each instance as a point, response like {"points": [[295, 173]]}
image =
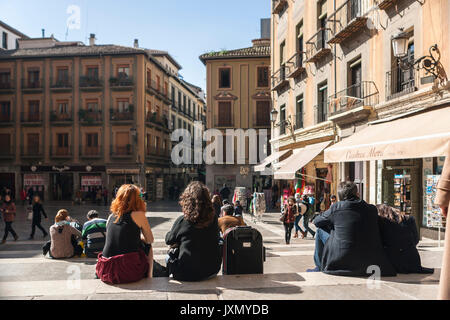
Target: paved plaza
{"points": [[26, 274]]}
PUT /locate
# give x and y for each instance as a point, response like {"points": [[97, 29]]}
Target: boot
{"points": [[296, 234], [304, 235]]}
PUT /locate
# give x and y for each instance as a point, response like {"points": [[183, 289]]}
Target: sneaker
{"points": [[316, 269]]}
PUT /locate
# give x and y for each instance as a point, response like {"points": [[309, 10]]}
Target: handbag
{"points": [[283, 217], [30, 215]]}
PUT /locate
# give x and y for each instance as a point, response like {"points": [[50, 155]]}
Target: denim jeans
{"points": [[306, 226], [321, 238], [297, 220]]}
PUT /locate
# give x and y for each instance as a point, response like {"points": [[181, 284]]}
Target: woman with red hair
{"points": [[128, 253]]}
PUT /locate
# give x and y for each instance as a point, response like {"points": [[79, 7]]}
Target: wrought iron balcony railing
{"points": [[31, 117], [360, 94], [295, 65], [90, 82], [279, 78], [117, 115], [317, 46], [28, 84], [348, 18], [278, 6], [400, 82], [60, 117], [121, 81], [90, 116]]}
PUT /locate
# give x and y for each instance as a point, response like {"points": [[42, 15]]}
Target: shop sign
{"points": [[122, 171], [33, 179], [91, 180]]}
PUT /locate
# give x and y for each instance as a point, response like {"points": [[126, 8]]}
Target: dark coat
{"points": [[38, 209], [199, 254], [399, 242], [354, 243]]}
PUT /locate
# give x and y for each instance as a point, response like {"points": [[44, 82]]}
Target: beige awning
{"points": [[299, 159], [268, 160], [417, 136]]}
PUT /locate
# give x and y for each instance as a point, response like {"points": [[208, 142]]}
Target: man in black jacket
{"points": [[348, 239]]}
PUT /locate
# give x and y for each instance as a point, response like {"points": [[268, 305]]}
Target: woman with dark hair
{"points": [[217, 204], [400, 238], [288, 218], [8, 209], [38, 210], [128, 254], [194, 237]]}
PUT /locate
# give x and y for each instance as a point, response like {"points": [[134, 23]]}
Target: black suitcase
{"points": [[243, 251]]}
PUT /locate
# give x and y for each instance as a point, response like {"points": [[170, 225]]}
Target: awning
{"points": [[417, 136], [299, 159], [274, 156]]}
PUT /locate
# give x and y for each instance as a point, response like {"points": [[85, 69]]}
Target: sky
{"points": [[185, 28]]}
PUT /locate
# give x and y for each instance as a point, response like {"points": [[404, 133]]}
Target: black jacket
{"points": [[354, 243], [399, 242], [199, 253], [38, 209]]}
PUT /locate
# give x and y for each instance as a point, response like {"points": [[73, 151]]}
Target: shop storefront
{"points": [[408, 157], [37, 183], [118, 177], [7, 180], [90, 184]]}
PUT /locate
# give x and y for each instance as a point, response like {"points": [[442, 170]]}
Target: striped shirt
{"points": [[94, 231]]}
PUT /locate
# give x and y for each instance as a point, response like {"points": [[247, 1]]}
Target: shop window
{"points": [[224, 78]]}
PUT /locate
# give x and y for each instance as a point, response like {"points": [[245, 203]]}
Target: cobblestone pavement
{"points": [[26, 274]]}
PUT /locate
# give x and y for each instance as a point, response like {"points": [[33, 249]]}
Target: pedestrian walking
{"points": [[8, 210], [301, 210], [307, 216], [217, 204], [23, 196], [30, 194], [288, 218], [443, 199], [38, 210]]}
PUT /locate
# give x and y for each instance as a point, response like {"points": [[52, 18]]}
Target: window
{"points": [[5, 142], [33, 78], [283, 119], [263, 113], [184, 103], [33, 143], [92, 105], [321, 114], [62, 107], [33, 111], [149, 78], [149, 143], [299, 36], [179, 124], [299, 112], [405, 78], [123, 71], [63, 140], [122, 143], [189, 106], [172, 94], [166, 88], [355, 79], [92, 144], [158, 83], [173, 123], [224, 113], [5, 79], [263, 77], [282, 52], [122, 105], [157, 144], [92, 72], [5, 111], [4, 40], [322, 22], [224, 78], [179, 100], [62, 75]]}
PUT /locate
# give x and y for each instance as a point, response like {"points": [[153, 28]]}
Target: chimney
{"points": [[136, 43], [92, 39], [43, 33]]}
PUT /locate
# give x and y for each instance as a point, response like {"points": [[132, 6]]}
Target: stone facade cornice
{"points": [[321, 130]]}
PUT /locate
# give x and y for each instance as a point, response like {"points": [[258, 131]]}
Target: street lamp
{"points": [[430, 63], [273, 116], [285, 122]]}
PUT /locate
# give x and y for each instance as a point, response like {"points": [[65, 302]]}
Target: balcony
{"points": [[31, 118], [400, 82], [57, 118], [154, 88], [90, 83], [122, 116], [7, 87], [29, 86], [157, 152], [317, 46], [122, 151], [278, 6], [279, 79], [348, 19], [60, 152], [153, 119], [295, 65], [354, 103], [385, 4], [61, 85], [90, 152], [88, 117], [121, 83]]}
